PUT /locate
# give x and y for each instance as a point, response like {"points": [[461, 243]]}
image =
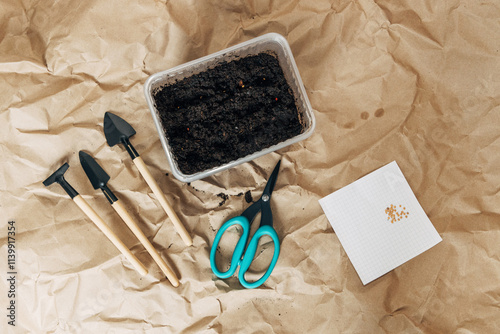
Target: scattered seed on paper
{"points": [[396, 213]]}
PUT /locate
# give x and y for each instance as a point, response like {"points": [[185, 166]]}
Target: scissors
{"points": [[243, 257]]}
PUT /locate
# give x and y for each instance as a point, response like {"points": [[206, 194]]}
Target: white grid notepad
{"points": [[379, 222]]}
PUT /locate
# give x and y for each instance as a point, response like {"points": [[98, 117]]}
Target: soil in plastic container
{"points": [[227, 112]]}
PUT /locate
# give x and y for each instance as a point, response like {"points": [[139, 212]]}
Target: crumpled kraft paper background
{"points": [[415, 82]]}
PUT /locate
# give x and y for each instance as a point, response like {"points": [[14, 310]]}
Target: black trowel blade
{"points": [[97, 176], [116, 128]]}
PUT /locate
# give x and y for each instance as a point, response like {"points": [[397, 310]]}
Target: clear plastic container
{"points": [[268, 42]]}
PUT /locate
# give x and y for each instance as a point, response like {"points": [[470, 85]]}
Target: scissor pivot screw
{"points": [[265, 198]]}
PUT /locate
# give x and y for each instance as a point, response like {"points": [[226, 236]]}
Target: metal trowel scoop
{"points": [[118, 131]]}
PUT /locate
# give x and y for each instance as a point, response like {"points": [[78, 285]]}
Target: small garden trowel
{"points": [[58, 176], [117, 130], [99, 179]]}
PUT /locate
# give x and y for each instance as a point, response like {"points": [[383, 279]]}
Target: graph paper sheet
{"points": [[379, 222]]}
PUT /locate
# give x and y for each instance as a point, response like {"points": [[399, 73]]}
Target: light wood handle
{"points": [[123, 213], [143, 169], [85, 207]]}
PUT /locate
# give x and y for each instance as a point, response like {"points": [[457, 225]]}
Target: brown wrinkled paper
{"points": [[415, 82]]}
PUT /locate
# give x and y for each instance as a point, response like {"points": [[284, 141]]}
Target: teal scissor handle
{"points": [[238, 250], [242, 257], [250, 254]]}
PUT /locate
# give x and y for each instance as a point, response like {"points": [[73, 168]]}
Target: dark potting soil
{"points": [[227, 112], [248, 197]]}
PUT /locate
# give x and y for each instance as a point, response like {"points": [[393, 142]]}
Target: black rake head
{"points": [[56, 175]]}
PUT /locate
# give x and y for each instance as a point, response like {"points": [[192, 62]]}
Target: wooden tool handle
{"points": [[123, 213], [143, 169], [85, 207]]}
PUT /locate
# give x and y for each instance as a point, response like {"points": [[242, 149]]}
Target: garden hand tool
{"points": [[58, 176], [243, 255], [117, 130], [99, 178]]}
